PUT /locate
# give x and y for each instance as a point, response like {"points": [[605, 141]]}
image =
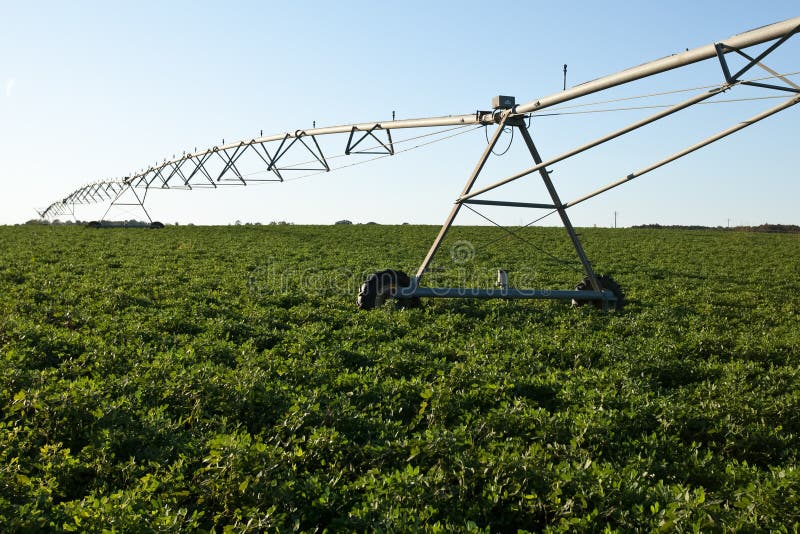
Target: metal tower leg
{"points": [[139, 201], [562, 211], [467, 187]]}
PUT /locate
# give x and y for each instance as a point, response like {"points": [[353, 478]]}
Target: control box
{"points": [[503, 102]]}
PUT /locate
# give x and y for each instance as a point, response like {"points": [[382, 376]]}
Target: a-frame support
{"points": [[591, 287], [597, 292], [136, 201]]}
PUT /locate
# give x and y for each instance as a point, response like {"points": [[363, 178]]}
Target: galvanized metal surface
{"points": [[508, 204]]}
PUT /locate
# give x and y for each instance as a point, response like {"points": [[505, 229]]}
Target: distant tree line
{"points": [[767, 228]]}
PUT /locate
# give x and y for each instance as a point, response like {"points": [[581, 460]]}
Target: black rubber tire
{"points": [[93, 224], [380, 286], [156, 225], [607, 283]]}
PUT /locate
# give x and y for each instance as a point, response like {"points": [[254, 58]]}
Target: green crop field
{"points": [[221, 378]]}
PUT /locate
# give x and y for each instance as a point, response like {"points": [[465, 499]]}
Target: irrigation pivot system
{"points": [[225, 164]]}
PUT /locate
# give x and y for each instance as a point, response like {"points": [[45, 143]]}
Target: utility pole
{"points": [[615, 219]]}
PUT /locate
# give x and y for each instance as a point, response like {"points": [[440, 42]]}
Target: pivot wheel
{"points": [[606, 283], [381, 286]]}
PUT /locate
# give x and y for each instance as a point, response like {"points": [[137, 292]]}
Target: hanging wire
{"points": [[438, 132], [464, 131], [505, 130], [536, 220]]}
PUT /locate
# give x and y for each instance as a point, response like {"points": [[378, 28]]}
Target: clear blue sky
{"points": [[94, 90]]}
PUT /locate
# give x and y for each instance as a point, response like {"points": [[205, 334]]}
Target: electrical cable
{"points": [[290, 167], [462, 127], [529, 117], [505, 130]]}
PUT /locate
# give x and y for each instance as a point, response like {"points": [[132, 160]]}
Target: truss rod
{"points": [[775, 74], [744, 124]]}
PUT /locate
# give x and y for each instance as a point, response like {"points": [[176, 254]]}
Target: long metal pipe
{"points": [[742, 40], [744, 124]]}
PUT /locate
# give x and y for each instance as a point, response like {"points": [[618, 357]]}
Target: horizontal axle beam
{"points": [[502, 293]]}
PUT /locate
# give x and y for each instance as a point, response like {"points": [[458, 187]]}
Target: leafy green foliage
{"points": [[221, 379]]}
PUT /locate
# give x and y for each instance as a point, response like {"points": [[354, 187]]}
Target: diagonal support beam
{"points": [[733, 129], [176, 171], [775, 73], [765, 53], [139, 201], [601, 140], [199, 164], [721, 49], [158, 172], [318, 155], [467, 187], [562, 211], [267, 158], [230, 162]]}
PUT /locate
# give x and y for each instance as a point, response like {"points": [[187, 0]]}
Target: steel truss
{"points": [[222, 165]]}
